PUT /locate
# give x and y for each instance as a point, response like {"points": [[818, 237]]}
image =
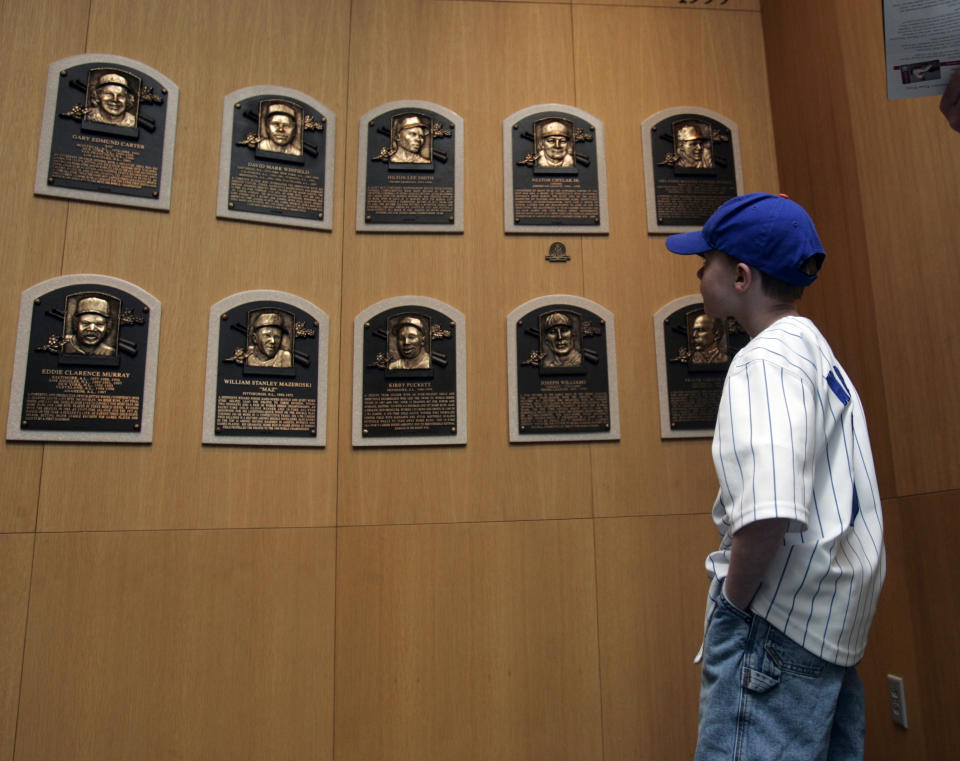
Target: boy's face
{"points": [[717, 277]]}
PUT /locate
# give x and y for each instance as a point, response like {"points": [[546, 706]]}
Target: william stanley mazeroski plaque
{"points": [[266, 371]]}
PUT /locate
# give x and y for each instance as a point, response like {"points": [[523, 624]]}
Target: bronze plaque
{"points": [[85, 367], [276, 158], [409, 382], [554, 171], [410, 171], [692, 165], [266, 371], [562, 363], [107, 133], [693, 354]]}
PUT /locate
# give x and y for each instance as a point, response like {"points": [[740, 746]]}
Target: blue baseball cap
{"points": [[771, 233]]}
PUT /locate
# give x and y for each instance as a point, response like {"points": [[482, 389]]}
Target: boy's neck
{"points": [[763, 315]]}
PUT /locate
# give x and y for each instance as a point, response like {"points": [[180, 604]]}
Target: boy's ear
{"points": [[743, 277]]}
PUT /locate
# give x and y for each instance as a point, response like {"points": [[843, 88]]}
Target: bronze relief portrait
{"points": [[113, 100]]}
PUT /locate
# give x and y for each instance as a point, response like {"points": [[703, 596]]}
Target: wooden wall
{"points": [[487, 601], [880, 178]]}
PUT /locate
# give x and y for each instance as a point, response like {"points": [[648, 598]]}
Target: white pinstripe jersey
{"points": [[791, 442]]}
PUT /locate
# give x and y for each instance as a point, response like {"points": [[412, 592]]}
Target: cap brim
{"points": [[688, 243]]}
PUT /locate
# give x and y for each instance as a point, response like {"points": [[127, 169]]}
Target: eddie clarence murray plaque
{"points": [[85, 367], [554, 171], [409, 374], [693, 354], [266, 371], [276, 158], [562, 366], [410, 169], [691, 166], [107, 133]]}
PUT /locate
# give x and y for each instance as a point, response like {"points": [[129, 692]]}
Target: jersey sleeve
{"points": [[764, 445]]}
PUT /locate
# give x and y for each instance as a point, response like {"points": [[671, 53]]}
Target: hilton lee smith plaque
{"points": [[410, 172], [266, 351], [276, 155], [554, 171], [409, 374], [85, 368], [564, 371], [691, 165], [107, 133], [693, 354]]}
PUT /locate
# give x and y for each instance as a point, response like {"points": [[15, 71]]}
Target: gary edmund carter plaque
{"points": [[107, 133]]}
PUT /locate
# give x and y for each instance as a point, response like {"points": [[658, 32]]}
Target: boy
{"points": [[794, 584]]}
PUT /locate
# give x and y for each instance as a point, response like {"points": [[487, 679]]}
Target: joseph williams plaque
{"points": [[562, 365], [276, 158], [86, 362], [410, 169], [554, 171], [266, 371], [107, 133], [691, 166], [409, 374]]}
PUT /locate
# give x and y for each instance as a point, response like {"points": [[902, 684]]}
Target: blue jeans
{"points": [[765, 698]]}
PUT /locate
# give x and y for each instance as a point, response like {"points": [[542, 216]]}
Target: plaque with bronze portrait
{"points": [[107, 133], [86, 362], [410, 170], [554, 171], [562, 364], [276, 158], [693, 354], [409, 374], [266, 371], [691, 166]]}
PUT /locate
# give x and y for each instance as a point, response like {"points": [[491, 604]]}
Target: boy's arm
{"points": [[753, 548]]}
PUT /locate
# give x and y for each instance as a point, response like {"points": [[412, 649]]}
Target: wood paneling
{"points": [[32, 36], [16, 555], [652, 591], [818, 169], [907, 163], [930, 528], [187, 645], [467, 642], [628, 69]]}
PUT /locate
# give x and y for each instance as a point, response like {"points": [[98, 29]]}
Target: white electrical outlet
{"points": [[898, 700]]}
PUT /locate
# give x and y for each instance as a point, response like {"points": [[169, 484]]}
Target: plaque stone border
{"points": [[666, 432], [172, 97], [214, 359], [23, 348], [226, 152], [363, 160], [509, 226], [512, 364], [402, 302], [648, 158]]}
